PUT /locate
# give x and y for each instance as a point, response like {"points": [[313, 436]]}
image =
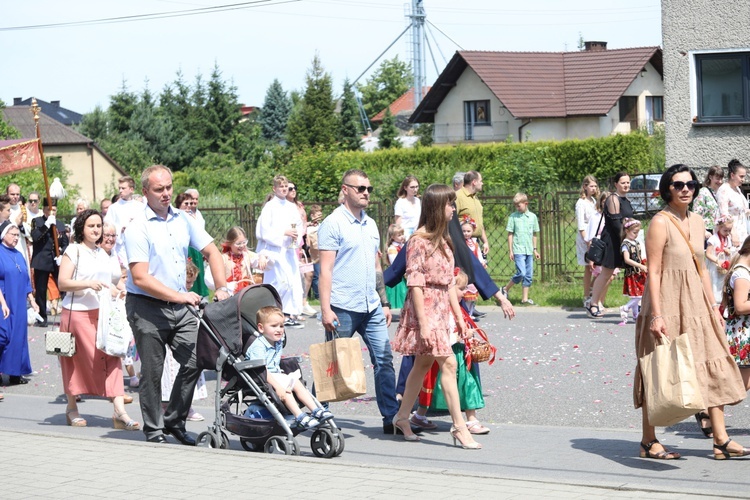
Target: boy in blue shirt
{"points": [[523, 227], [268, 347]]}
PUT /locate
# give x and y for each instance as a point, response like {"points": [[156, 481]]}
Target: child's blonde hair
{"points": [[462, 280], [520, 198], [723, 220], [265, 313], [393, 231], [628, 224], [191, 271]]}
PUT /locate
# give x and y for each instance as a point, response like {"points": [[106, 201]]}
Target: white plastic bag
{"points": [[113, 334]]}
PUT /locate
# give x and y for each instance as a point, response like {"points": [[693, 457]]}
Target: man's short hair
{"points": [[458, 178], [192, 192], [353, 172], [264, 313], [127, 179], [471, 176], [278, 180], [150, 170]]}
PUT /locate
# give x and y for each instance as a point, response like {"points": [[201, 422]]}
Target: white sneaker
{"points": [[134, 381], [307, 310], [624, 313]]}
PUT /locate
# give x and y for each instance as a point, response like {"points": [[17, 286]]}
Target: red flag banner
{"points": [[19, 154]]}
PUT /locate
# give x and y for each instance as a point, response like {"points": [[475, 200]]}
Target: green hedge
{"points": [[535, 167]]}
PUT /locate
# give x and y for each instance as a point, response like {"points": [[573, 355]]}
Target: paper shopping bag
{"points": [[338, 371], [670, 386]]}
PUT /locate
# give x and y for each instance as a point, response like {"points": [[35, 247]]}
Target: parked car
{"points": [[644, 194]]}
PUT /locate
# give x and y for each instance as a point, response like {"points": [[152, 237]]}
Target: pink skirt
{"points": [[89, 370]]}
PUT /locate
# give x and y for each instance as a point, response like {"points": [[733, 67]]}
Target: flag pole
{"points": [[35, 109]]}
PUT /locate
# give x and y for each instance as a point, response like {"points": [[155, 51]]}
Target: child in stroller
{"points": [[268, 347]]}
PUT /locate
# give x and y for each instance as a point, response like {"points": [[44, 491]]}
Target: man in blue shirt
{"points": [[157, 247], [352, 291]]}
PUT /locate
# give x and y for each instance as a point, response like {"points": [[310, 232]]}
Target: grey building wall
{"points": [[698, 25]]}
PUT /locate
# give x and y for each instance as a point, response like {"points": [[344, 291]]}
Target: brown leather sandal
{"points": [[662, 455], [726, 454]]}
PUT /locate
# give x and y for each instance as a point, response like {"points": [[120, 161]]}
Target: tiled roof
{"points": [[402, 105], [546, 84], [53, 132], [53, 109]]}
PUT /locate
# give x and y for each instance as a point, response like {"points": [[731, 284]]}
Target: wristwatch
{"points": [[386, 304], [223, 289]]}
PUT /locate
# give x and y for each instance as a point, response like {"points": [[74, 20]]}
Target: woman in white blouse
{"points": [[408, 207], [585, 208], [733, 203]]}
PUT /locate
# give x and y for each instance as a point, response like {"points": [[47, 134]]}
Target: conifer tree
{"points": [[388, 137], [275, 113], [315, 122], [350, 128]]}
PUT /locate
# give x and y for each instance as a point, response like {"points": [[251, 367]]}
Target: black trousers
{"points": [[40, 286]]}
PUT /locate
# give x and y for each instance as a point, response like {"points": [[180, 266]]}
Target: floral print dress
{"points": [[429, 269], [738, 325]]}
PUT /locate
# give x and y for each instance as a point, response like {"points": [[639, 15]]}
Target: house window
{"points": [[723, 85], [629, 110], [477, 112], [655, 108]]}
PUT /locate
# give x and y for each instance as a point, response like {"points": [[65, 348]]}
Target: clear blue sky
{"points": [[82, 65]]}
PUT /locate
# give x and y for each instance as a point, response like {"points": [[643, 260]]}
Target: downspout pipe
{"points": [[520, 129]]}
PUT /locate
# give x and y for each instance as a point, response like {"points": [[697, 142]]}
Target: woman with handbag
{"points": [[679, 300], [425, 326], [15, 294], [84, 271], [585, 210], [616, 208]]}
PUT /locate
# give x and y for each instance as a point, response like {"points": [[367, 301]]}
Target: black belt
{"points": [[162, 303]]}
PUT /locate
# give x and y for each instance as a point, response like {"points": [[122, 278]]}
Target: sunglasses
{"points": [[292, 188], [679, 185], [33, 201], [361, 189]]}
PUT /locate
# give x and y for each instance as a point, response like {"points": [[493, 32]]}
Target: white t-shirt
{"points": [[89, 265], [409, 213]]}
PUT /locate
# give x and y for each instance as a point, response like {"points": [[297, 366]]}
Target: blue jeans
{"points": [[524, 269], [373, 330], [314, 284]]}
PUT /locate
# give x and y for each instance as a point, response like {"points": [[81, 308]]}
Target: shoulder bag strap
{"points": [[73, 294], [677, 225]]}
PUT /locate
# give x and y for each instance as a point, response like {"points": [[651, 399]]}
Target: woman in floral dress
{"points": [[736, 302], [706, 204], [732, 202], [425, 326]]}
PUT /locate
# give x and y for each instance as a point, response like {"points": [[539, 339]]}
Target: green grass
{"points": [[563, 293]]}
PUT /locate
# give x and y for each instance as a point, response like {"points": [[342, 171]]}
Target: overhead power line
{"points": [[156, 15]]}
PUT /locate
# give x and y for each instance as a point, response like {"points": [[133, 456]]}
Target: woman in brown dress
{"points": [[679, 299]]}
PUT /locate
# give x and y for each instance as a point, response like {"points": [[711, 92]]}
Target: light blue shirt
{"points": [[262, 349], [163, 243], [356, 244]]}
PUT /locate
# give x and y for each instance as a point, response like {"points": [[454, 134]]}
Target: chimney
{"points": [[595, 46], [17, 101], [57, 103]]}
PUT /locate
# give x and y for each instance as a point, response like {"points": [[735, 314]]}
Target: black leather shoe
{"points": [[40, 324], [17, 380], [180, 435], [388, 429], [158, 439], [478, 314]]}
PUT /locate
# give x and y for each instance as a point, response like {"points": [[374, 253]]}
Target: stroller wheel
{"points": [[249, 446], [207, 440], [279, 445], [323, 443], [339, 444], [224, 441]]}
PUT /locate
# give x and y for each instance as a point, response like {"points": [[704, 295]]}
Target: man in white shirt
{"points": [[20, 218], [122, 213]]}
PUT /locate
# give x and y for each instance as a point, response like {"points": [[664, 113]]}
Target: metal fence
{"points": [[556, 240]]}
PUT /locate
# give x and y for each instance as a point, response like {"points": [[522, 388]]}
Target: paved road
{"points": [[558, 401]]}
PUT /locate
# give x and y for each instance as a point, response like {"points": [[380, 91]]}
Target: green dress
{"points": [[469, 385], [199, 286]]}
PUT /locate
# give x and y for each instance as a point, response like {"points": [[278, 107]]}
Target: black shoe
{"points": [[478, 314], [180, 435], [41, 324], [388, 429], [157, 439], [17, 380]]}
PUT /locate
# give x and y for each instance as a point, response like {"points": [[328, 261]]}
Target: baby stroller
{"points": [[226, 331]]}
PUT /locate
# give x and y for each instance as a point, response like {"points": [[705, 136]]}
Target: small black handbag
{"points": [[597, 247]]}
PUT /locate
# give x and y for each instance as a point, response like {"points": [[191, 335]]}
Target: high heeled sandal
{"points": [[74, 421], [455, 432], [594, 312], [396, 428], [707, 431], [121, 424], [726, 454], [665, 454]]}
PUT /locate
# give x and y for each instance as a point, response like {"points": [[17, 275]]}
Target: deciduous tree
{"points": [[389, 82]]}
